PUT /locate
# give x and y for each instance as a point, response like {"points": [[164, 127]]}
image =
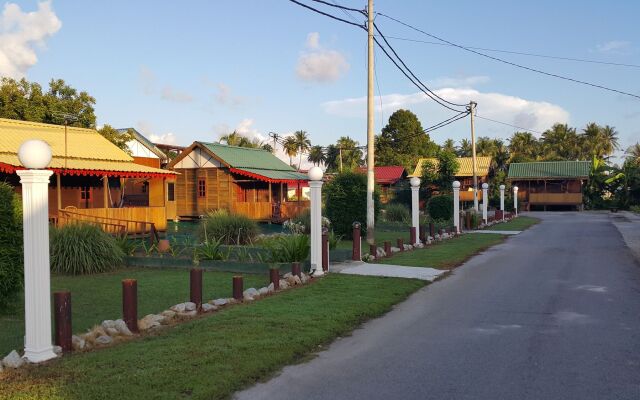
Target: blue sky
{"points": [[184, 71]]}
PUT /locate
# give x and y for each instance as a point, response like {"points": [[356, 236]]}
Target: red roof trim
{"points": [[10, 169], [262, 177]]}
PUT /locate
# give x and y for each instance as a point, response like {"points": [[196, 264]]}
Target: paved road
{"points": [[553, 313]]}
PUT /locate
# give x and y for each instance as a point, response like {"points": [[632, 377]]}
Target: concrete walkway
{"points": [[391, 271]]}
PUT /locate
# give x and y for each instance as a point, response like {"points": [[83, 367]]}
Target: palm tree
{"points": [[633, 153], [609, 137], [465, 148], [500, 156], [561, 142], [232, 139], [485, 146], [317, 155], [523, 146], [351, 154], [449, 146], [290, 146], [303, 143]]}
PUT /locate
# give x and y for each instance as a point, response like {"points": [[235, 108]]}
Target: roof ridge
{"points": [[44, 124], [234, 147]]}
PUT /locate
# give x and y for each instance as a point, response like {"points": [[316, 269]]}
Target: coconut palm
{"points": [[290, 146], [317, 155], [465, 148], [302, 142], [633, 153], [561, 142], [232, 139], [449, 146], [351, 154], [523, 146]]}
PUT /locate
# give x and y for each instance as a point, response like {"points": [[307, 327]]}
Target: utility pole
{"points": [[371, 237], [471, 108]]}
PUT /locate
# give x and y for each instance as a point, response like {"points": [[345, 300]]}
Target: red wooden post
{"points": [[356, 253], [412, 235], [195, 286], [296, 269], [423, 234], [387, 248], [130, 303], [238, 287], [325, 249], [432, 229], [274, 276], [62, 316], [400, 243], [373, 250]]}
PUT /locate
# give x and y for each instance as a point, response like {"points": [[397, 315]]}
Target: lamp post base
{"points": [[38, 356], [317, 271]]}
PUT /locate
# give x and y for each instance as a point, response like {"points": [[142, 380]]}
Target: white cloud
{"points": [[317, 64], [20, 33], [226, 97], [536, 115], [167, 138], [171, 94], [147, 80], [614, 46], [467, 81]]}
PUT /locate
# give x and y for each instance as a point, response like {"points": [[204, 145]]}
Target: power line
{"points": [[507, 124], [327, 14], [336, 5], [511, 63], [521, 53], [447, 122]]}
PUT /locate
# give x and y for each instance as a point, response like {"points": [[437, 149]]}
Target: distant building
{"points": [[253, 182], [387, 178], [143, 151], [550, 184], [464, 174]]}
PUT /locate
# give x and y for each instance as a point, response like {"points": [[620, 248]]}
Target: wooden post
{"points": [[432, 229], [195, 286], [373, 250], [387, 248], [356, 253], [130, 303], [400, 243], [62, 317], [412, 235], [270, 197], [296, 269], [274, 276], [105, 195], [59, 190], [325, 249], [238, 288]]}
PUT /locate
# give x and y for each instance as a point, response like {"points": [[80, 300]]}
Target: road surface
{"points": [[553, 313]]}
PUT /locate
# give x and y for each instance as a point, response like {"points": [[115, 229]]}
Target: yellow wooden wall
{"points": [[220, 191]]}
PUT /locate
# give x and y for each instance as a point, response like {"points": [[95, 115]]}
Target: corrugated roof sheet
{"points": [[86, 149], [270, 174], [465, 166], [549, 170], [247, 158], [387, 175]]}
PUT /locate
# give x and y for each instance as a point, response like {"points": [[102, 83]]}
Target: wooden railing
{"points": [[466, 195], [555, 198], [293, 209], [122, 227], [265, 211]]}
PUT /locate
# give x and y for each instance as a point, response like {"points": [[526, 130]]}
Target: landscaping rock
{"points": [[220, 302], [380, 253], [271, 288], [263, 291], [77, 342], [305, 278], [57, 350], [250, 294], [149, 321], [287, 275], [112, 332], [408, 247], [182, 307], [187, 314], [13, 360], [122, 328], [206, 307], [189, 306], [104, 340], [418, 246], [284, 284], [395, 249], [1, 368], [108, 324]]}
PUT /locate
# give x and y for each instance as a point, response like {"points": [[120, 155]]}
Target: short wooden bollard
{"points": [[356, 253], [130, 303], [296, 269], [195, 286], [387, 248], [274, 277], [412, 235], [325, 249], [62, 317], [432, 229], [373, 250], [238, 288], [468, 221], [423, 234], [400, 243]]}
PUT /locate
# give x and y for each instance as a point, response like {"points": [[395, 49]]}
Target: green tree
{"points": [[465, 148], [447, 168], [351, 154], [303, 143], [316, 155], [118, 138], [11, 268], [633, 153], [403, 141], [561, 142], [290, 146], [523, 147], [449, 145], [598, 141]]}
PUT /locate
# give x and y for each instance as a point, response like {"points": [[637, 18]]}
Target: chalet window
{"points": [[145, 186], [171, 191], [202, 188], [85, 193]]}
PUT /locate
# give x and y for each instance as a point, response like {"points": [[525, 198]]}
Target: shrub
{"points": [[441, 207], [80, 249], [301, 223], [397, 213], [287, 248], [228, 228], [209, 250], [346, 201], [334, 240], [11, 276]]}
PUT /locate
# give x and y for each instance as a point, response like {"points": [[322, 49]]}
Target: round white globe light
{"points": [[515, 188], [502, 187], [34, 154], [485, 185], [456, 185], [315, 174], [414, 181]]}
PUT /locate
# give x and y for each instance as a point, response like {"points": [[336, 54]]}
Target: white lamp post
{"points": [[415, 206], [456, 205], [515, 200], [485, 202], [315, 185], [36, 155], [502, 187]]}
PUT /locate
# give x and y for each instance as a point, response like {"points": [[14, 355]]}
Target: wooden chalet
{"points": [[90, 179], [550, 184], [388, 177], [252, 182], [464, 174]]}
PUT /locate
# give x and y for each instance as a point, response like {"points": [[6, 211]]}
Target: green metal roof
{"points": [[275, 175], [244, 157], [549, 170]]}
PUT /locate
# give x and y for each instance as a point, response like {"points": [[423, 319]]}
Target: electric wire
{"points": [[327, 14]]}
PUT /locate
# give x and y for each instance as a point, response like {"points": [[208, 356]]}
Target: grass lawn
{"points": [[214, 356], [96, 298], [381, 237], [447, 254], [517, 224]]}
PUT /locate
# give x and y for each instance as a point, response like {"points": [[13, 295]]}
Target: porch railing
{"points": [[123, 227]]}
